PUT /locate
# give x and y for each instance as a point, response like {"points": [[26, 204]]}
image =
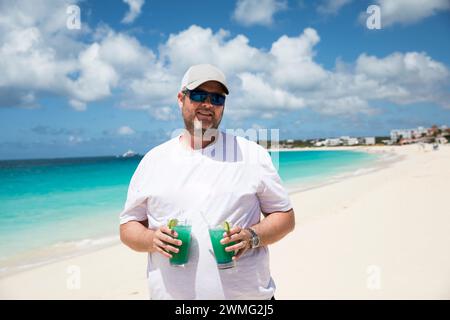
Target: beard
{"points": [[194, 126]]}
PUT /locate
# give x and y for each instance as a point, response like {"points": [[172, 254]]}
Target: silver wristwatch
{"points": [[254, 240]]}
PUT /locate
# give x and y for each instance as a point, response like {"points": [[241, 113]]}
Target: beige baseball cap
{"points": [[201, 73]]}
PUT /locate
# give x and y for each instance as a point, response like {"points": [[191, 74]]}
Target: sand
{"points": [[381, 235]]}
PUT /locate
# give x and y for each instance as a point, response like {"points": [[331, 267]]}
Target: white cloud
{"points": [[125, 53], [410, 68], [258, 94], [27, 62], [97, 77], [77, 105], [125, 131], [405, 78], [267, 115], [75, 139], [294, 56], [134, 10], [197, 45], [341, 106], [407, 11], [257, 12], [35, 49], [392, 12], [34, 57], [164, 113], [331, 6]]}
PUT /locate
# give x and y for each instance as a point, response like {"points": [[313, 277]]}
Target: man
{"points": [[210, 177]]}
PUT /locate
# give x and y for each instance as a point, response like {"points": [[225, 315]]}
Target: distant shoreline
{"points": [[357, 147], [268, 149], [64, 159]]}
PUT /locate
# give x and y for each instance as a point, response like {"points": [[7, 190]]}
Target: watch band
{"points": [[255, 240]]}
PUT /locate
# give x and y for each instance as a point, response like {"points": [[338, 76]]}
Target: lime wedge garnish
{"points": [[226, 226], [172, 223]]}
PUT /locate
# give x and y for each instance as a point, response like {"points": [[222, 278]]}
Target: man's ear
{"points": [[180, 97]]}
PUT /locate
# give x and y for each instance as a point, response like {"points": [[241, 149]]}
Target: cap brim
{"points": [[195, 84]]}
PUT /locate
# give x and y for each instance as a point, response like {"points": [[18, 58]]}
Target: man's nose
{"points": [[207, 103]]}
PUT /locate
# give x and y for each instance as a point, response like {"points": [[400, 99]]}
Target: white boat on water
{"points": [[129, 154]]}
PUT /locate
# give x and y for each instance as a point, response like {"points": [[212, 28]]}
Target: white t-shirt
{"points": [[231, 179]]}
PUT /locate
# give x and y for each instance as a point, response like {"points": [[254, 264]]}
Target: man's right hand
{"points": [[164, 241]]}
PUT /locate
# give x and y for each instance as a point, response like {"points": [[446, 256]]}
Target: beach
{"points": [[380, 235]]}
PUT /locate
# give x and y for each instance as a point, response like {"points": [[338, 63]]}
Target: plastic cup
{"points": [[224, 258], [181, 258]]}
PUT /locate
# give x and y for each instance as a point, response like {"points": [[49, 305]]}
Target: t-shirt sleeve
{"points": [[136, 204], [271, 193]]}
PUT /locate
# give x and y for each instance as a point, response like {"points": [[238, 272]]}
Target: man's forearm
{"points": [[274, 227], [137, 236]]}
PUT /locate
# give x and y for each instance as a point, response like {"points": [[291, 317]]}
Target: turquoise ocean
{"points": [[53, 207]]}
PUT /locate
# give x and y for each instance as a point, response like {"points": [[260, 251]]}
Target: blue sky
{"points": [[308, 68]]}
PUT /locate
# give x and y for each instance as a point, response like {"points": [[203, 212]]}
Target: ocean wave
{"points": [[363, 171], [89, 242]]}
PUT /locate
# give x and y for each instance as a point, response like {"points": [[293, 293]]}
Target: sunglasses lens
{"points": [[217, 99], [200, 96]]}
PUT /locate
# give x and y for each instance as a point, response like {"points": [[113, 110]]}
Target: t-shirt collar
{"points": [[204, 150]]}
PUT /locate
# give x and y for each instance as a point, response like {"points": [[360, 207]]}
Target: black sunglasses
{"points": [[216, 99]]}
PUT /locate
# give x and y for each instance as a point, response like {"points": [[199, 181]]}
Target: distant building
{"points": [[348, 141], [332, 142], [420, 131], [344, 140], [369, 140], [319, 143], [408, 134], [397, 134]]}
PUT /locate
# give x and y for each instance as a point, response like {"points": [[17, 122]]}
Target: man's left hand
{"points": [[240, 237]]}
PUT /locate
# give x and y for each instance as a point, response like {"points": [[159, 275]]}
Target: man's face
{"points": [[204, 113]]}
